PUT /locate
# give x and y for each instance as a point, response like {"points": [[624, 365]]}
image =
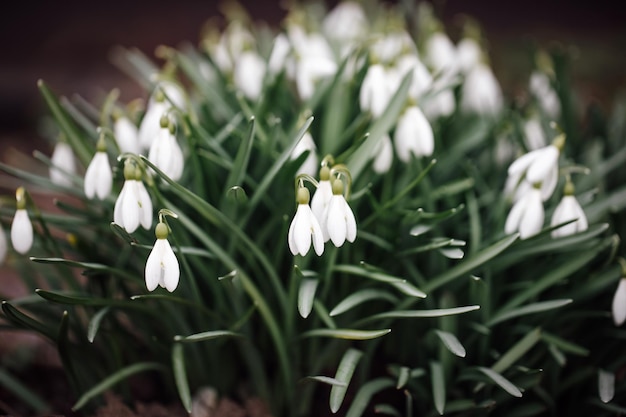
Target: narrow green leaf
{"points": [[359, 297], [403, 376], [237, 195], [210, 335], [22, 392], [363, 272], [409, 289], [115, 378], [327, 380], [344, 373], [517, 351], [365, 394], [471, 263], [71, 299], [306, 295], [180, 375], [438, 383], [564, 345], [122, 233], [606, 385], [240, 165], [409, 314], [22, 320], [387, 410], [94, 323], [451, 342], [527, 309], [89, 266], [504, 383], [349, 334]]}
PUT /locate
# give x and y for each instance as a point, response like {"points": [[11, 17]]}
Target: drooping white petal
{"points": [[413, 135], [336, 221], [63, 164], [545, 161], [98, 177], [345, 22], [619, 303], [421, 79], [383, 157], [144, 203], [350, 222], [468, 54], [280, 52], [534, 137], [302, 229], [166, 154], [293, 247], [375, 94], [21, 232], [441, 54], [568, 209], [319, 204], [317, 235], [249, 73], [171, 269], [309, 166], [154, 269], [150, 125], [118, 216], [514, 217], [481, 93], [130, 206], [126, 135]]}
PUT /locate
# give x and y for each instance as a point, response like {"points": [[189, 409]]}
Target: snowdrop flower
{"points": [[375, 93], [413, 135], [619, 303], [383, 157], [98, 177], [162, 267], [534, 138], [481, 93], [538, 166], [526, 215], [440, 54], [126, 135], [309, 166], [63, 164], [279, 55], [249, 73], [568, 209], [304, 227], [388, 48], [541, 88], [150, 124], [321, 198], [21, 228], [3, 245], [468, 53], [440, 104], [339, 220], [421, 80], [133, 206], [165, 151], [346, 22]]}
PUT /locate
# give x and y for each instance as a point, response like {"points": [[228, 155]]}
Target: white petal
{"points": [[336, 220], [21, 232], [145, 206], [151, 124], [549, 184], [118, 217], [63, 164], [515, 216], [350, 223], [619, 303], [249, 73], [568, 209], [302, 229], [317, 236], [130, 207], [383, 156], [98, 177], [544, 162], [533, 217], [154, 270], [293, 247], [126, 135], [170, 266], [319, 205]]}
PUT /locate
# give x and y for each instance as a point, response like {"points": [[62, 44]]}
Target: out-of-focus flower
{"points": [[98, 177], [310, 165], [249, 74], [526, 215], [345, 23], [375, 90], [421, 79], [480, 92], [541, 88], [21, 228], [165, 151], [305, 227], [162, 267], [534, 137], [568, 209], [339, 220], [133, 206], [165, 96], [280, 54], [63, 164], [468, 53], [383, 157], [440, 54], [126, 135], [321, 198], [413, 135]]}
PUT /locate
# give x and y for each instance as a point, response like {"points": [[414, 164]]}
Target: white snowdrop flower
{"points": [[619, 303], [315, 60], [21, 228], [305, 227], [375, 92], [383, 157], [421, 79], [310, 164], [346, 22], [233, 41], [440, 54], [63, 164], [541, 88], [568, 209], [321, 198], [133, 206], [3, 245], [389, 47], [526, 215], [339, 219], [534, 137], [441, 104], [165, 152], [99, 177], [468, 53], [538, 166], [279, 55], [413, 135], [174, 94], [249, 73], [481, 93], [162, 267], [126, 135], [151, 123]]}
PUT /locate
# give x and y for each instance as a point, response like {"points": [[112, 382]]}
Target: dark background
{"points": [[68, 43]]}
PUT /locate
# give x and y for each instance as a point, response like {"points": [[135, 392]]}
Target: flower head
{"points": [[568, 209], [165, 151], [126, 135], [98, 177], [63, 164], [339, 220], [249, 73], [383, 157], [619, 303], [526, 215], [133, 206], [375, 90], [322, 197], [413, 135], [162, 267], [309, 166], [21, 228], [481, 93], [304, 227]]}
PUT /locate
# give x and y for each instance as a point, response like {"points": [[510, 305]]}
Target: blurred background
{"points": [[68, 44]]}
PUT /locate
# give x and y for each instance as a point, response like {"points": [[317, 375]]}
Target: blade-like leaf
{"points": [[439, 386], [528, 309], [606, 385], [327, 380], [452, 343], [360, 297], [349, 334], [365, 394], [344, 373], [440, 312], [201, 337], [180, 375], [306, 295], [504, 383], [94, 323]]}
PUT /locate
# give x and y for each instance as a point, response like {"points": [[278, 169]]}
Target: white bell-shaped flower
{"points": [[162, 267], [421, 79], [568, 209], [468, 53], [619, 303], [309, 166], [63, 164], [98, 177], [440, 54], [388, 47], [413, 135], [21, 228], [280, 54], [346, 22], [3, 245], [133, 206], [339, 220], [165, 151], [383, 157], [441, 104], [375, 92], [541, 88], [534, 136], [321, 198], [126, 135], [526, 215], [481, 93], [249, 73], [151, 123], [304, 227]]}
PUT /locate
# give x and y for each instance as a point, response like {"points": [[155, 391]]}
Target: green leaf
{"points": [[72, 299], [306, 295], [115, 378], [94, 323], [471, 263], [403, 376], [409, 289], [359, 297], [240, 165], [438, 383], [504, 383], [451, 342], [349, 334], [368, 273], [89, 267], [22, 320], [606, 385], [517, 351], [365, 394], [344, 373], [180, 375], [122, 233], [327, 380], [23, 393], [527, 309], [564, 345], [410, 314], [210, 335]]}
